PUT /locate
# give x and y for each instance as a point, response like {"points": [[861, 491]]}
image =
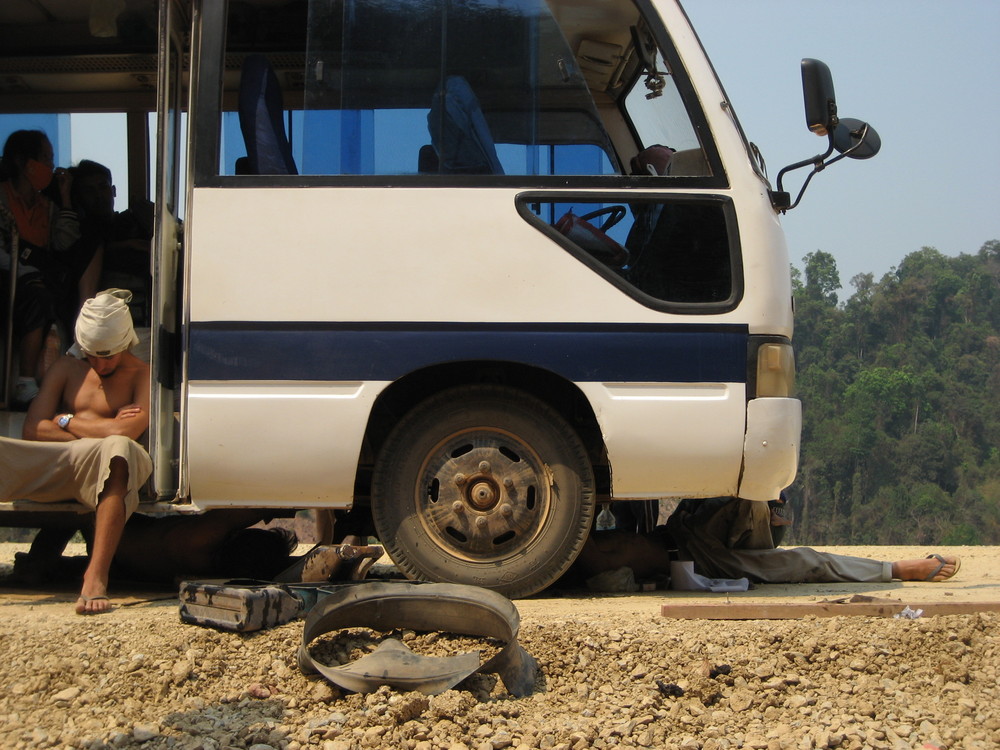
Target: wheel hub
{"points": [[483, 494], [487, 494]]}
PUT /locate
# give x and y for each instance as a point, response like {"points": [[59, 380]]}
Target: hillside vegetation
{"points": [[900, 387]]}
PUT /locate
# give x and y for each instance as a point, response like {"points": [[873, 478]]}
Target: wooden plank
{"points": [[867, 607]]}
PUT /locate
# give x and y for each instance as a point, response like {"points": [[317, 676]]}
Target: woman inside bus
{"points": [[45, 235]]}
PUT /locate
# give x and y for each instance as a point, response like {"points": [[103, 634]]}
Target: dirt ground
{"points": [[613, 673]]}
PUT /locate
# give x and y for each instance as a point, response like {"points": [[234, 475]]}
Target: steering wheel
{"points": [[615, 214]]}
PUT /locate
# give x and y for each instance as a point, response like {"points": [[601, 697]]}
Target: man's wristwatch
{"points": [[63, 421]]}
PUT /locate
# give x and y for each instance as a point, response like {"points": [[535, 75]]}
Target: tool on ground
{"points": [[246, 605]]}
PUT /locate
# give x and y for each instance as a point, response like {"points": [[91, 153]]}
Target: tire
{"points": [[484, 485]]}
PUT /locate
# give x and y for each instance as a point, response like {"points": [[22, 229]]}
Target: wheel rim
{"points": [[483, 494]]}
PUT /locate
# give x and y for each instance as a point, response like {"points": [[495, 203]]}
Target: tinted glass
{"points": [[675, 250], [450, 87]]}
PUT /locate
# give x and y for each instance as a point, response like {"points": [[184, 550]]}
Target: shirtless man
{"points": [[80, 435]]}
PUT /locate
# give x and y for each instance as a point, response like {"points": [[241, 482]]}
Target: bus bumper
{"points": [[771, 447]]}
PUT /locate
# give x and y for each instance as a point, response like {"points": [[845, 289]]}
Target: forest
{"points": [[900, 390]]}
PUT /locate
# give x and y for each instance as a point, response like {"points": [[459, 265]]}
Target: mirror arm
{"points": [[780, 198], [816, 162], [817, 169], [819, 163]]}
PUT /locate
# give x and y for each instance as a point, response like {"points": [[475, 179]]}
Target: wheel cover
{"points": [[483, 494]]}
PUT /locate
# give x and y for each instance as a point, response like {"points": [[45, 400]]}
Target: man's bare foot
{"points": [[93, 598], [933, 568], [93, 605]]}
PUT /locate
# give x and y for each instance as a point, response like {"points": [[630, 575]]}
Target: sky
{"points": [[924, 73]]}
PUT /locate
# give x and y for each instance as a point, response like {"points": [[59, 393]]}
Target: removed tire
{"points": [[484, 485]]}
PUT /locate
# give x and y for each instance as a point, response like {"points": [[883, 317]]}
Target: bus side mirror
{"points": [[820, 99], [852, 138]]}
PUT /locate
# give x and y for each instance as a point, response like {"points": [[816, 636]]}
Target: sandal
{"points": [[934, 574]]}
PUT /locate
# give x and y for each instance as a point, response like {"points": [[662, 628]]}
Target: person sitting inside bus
{"points": [[121, 238], [81, 432], [43, 234]]}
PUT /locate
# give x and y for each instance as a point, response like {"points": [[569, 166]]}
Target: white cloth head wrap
{"points": [[104, 325]]}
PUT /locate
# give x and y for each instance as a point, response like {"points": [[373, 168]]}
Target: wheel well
{"points": [[405, 393]]}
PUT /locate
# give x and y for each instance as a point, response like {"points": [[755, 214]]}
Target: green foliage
{"points": [[900, 388], [822, 278]]}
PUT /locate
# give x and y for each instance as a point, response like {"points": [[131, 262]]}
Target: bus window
{"points": [[100, 137], [654, 107], [387, 87], [472, 75], [668, 252]]}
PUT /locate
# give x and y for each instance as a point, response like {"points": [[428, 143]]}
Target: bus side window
{"points": [[358, 80], [675, 249]]}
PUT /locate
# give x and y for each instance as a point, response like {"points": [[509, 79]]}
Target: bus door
{"points": [[167, 239]]}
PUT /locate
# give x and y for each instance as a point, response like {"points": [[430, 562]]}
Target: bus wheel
{"points": [[484, 485]]}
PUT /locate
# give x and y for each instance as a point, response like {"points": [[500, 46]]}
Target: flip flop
{"points": [[86, 599], [943, 562]]}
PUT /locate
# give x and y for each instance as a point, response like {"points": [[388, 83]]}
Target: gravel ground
{"points": [[613, 673]]}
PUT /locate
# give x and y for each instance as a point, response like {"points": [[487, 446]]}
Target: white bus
{"points": [[477, 266]]}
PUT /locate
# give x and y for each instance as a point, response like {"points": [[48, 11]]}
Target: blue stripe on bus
{"points": [[387, 351]]}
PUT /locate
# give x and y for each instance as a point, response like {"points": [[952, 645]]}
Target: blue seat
{"points": [[459, 132], [260, 110]]}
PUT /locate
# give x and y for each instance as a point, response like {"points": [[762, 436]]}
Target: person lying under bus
{"points": [[731, 538], [81, 432]]}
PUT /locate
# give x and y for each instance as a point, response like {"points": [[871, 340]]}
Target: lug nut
{"points": [[460, 479], [481, 522], [458, 506], [507, 509], [484, 466]]}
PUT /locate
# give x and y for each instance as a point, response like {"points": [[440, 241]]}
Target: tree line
{"points": [[900, 390]]}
